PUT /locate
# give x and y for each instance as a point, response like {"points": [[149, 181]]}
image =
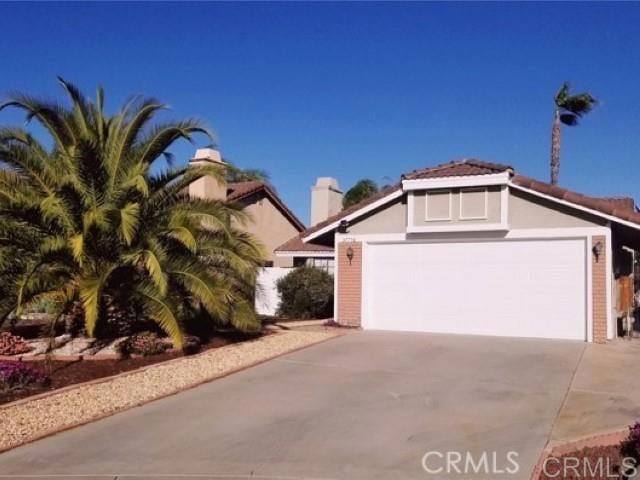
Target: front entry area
{"points": [[520, 288]]}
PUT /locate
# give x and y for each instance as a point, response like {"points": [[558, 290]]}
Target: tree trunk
{"points": [[555, 148]]}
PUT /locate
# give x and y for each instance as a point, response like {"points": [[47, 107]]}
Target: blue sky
{"points": [[354, 90]]}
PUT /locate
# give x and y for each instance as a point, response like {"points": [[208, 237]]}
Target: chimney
{"points": [[326, 199], [207, 187]]}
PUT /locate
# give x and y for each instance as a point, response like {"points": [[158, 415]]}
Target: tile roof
{"points": [[240, 190], [297, 245], [627, 203], [621, 207], [458, 168], [609, 206]]}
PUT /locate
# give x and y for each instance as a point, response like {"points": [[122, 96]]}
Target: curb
{"points": [[48, 433]]}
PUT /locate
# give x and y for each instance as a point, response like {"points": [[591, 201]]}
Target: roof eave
{"points": [[561, 201], [457, 181], [353, 215]]}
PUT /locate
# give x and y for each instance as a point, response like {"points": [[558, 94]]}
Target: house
{"points": [[272, 222], [471, 247]]}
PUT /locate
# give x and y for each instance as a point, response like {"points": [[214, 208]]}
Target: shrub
{"points": [[12, 344], [192, 345], [18, 375], [306, 292], [144, 343], [631, 446]]}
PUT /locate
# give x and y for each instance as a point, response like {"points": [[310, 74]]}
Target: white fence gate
{"points": [[267, 298]]}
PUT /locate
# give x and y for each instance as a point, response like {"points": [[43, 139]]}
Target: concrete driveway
{"points": [[604, 395], [368, 405]]}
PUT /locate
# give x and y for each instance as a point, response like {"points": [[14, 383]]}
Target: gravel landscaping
{"points": [[64, 373], [30, 419]]}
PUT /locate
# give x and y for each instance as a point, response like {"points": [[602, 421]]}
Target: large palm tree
{"points": [[568, 110], [83, 218]]}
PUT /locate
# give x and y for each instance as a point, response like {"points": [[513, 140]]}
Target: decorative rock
{"points": [[28, 420], [12, 344], [111, 349], [74, 347]]}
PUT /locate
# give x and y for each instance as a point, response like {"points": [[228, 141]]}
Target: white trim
{"points": [[370, 237], [372, 206], [525, 233], [426, 206], [364, 284], [452, 227], [576, 206], [504, 205], [304, 253], [452, 182], [461, 193], [557, 232], [411, 208]]}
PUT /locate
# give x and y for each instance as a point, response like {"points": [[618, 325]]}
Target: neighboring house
{"points": [[272, 222], [326, 201], [470, 247]]}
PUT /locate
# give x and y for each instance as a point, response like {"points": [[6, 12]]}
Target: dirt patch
{"points": [[63, 373]]}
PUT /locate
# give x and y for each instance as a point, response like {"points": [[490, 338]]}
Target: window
{"points": [[473, 203], [437, 206], [326, 264]]}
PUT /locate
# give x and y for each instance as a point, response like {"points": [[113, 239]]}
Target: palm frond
{"points": [[83, 216], [580, 104], [129, 221], [90, 289], [163, 311]]}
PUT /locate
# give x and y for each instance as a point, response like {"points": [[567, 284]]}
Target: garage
{"points": [[520, 288]]}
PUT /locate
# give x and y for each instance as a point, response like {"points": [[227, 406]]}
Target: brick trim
{"points": [[349, 288], [599, 289]]}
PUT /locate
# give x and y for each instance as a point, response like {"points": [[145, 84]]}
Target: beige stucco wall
{"points": [[493, 209], [283, 261], [271, 227], [529, 211], [525, 211], [390, 219]]}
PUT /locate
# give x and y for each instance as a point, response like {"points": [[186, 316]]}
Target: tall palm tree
{"points": [[86, 219], [569, 109]]}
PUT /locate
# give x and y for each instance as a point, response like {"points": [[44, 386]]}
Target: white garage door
{"points": [[507, 288]]}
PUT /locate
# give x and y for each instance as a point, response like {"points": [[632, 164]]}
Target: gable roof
{"points": [[622, 208], [241, 190], [458, 168], [296, 243]]}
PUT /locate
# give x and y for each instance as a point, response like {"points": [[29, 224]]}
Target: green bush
{"points": [[306, 292]]}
